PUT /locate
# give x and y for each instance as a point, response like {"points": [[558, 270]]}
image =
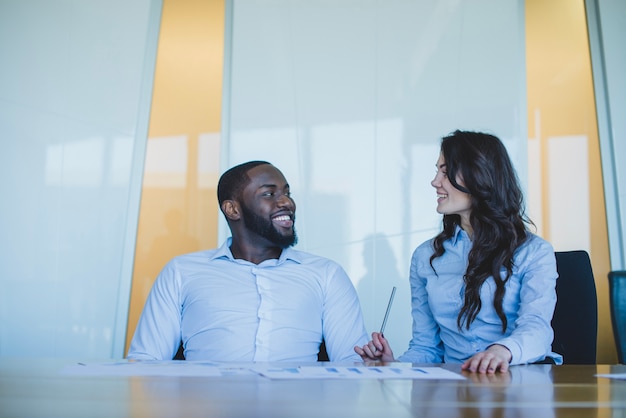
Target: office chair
{"points": [[321, 356], [575, 320], [180, 354], [617, 299]]}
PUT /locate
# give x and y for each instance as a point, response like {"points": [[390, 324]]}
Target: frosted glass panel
{"points": [[568, 187], [349, 99], [607, 31], [75, 86]]}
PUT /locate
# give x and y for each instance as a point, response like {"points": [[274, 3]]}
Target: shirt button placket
{"points": [[261, 352]]}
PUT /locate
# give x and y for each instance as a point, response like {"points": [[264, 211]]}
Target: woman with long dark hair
{"points": [[483, 290]]}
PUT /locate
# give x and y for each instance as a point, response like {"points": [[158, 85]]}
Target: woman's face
{"points": [[450, 200]]}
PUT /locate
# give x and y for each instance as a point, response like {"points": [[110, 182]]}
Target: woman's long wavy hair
{"points": [[497, 216]]}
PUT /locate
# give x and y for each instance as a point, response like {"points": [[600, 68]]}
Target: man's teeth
{"points": [[283, 218]]}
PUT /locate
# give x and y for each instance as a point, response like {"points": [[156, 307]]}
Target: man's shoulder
{"points": [[197, 254], [203, 256]]}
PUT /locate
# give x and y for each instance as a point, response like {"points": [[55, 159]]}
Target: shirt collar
{"points": [[286, 254], [224, 251], [459, 234]]}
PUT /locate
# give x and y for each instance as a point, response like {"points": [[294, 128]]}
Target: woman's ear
{"points": [[231, 210]]}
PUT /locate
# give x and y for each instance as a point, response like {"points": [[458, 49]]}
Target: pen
{"points": [[382, 327]]}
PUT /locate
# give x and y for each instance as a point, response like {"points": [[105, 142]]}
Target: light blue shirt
{"points": [[437, 298], [225, 309]]}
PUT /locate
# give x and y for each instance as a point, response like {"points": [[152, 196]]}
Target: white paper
{"points": [[144, 368], [356, 372], [620, 376], [203, 368]]}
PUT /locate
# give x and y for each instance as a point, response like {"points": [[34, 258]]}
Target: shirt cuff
{"points": [[514, 348]]}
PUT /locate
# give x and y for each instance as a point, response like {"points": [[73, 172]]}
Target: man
{"points": [[254, 298]]}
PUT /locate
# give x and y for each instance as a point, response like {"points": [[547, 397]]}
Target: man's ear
{"points": [[231, 210]]}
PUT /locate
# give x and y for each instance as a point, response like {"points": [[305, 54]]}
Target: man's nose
{"points": [[284, 200]]}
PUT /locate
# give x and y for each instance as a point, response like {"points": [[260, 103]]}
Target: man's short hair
{"points": [[234, 180]]}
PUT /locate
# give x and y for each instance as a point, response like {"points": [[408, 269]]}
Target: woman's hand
{"points": [[376, 350], [495, 358]]}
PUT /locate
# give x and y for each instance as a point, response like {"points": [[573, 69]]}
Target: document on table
{"points": [[387, 372], [208, 368], [144, 368]]}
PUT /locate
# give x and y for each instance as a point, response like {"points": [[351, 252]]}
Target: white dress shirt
{"points": [[226, 309]]}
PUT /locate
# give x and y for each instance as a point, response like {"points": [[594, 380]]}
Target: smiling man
{"points": [[254, 299]]}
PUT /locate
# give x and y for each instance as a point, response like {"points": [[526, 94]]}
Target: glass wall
{"points": [[348, 98], [607, 29], [75, 88], [350, 101]]}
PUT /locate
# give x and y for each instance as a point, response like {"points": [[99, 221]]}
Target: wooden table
{"points": [[36, 388]]}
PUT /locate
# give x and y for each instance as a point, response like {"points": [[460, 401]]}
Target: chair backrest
{"points": [[323, 354], [575, 320], [180, 354], [617, 298]]}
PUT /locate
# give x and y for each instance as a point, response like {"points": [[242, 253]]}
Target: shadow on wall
{"points": [[375, 287]]}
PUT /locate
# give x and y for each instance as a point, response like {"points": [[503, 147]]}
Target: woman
{"points": [[483, 290]]}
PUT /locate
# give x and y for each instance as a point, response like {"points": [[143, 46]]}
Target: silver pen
{"points": [[382, 327]]}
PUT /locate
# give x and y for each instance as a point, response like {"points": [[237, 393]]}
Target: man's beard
{"points": [[266, 229]]}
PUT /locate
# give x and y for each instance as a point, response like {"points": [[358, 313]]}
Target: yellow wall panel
{"points": [[561, 105], [179, 211]]}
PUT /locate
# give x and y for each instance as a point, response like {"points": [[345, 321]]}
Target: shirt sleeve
{"points": [[425, 345], [532, 335], [158, 332], [343, 324]]}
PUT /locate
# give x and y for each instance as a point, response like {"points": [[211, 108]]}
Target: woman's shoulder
{"points": [[534, 247], [422, 253], [534, 242], [425, 247]]}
